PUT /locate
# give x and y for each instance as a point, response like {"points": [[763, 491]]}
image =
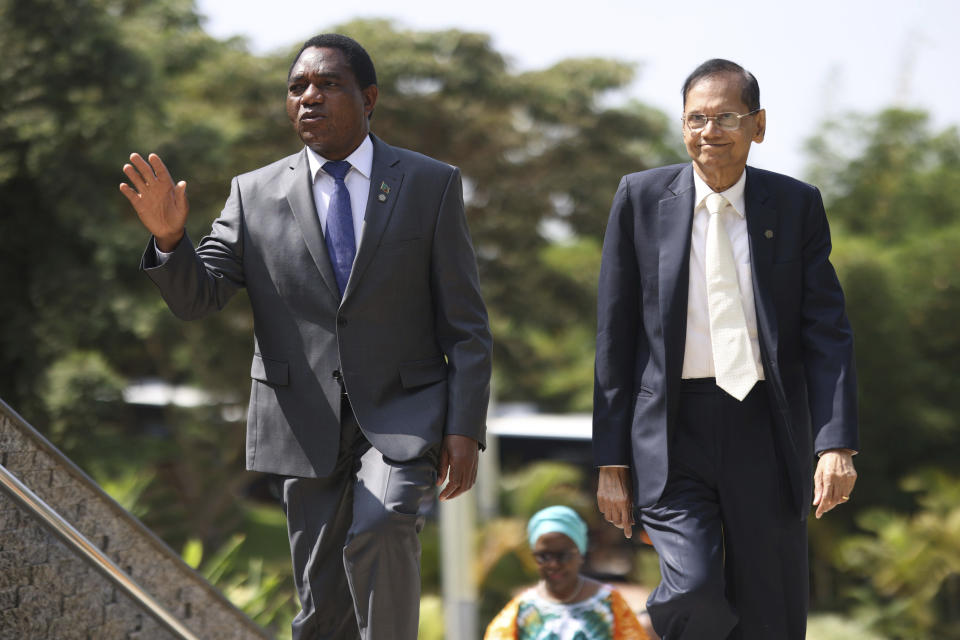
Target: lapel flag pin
{"points": [[768, 233], [384, 187]]}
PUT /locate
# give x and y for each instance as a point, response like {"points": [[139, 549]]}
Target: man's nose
{"points": [[312, 94]]}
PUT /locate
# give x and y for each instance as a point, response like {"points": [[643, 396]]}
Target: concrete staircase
{"points": [[51, 589]]}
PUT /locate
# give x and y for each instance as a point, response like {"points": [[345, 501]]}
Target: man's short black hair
{"points": [[750, 91], [357, 57]]}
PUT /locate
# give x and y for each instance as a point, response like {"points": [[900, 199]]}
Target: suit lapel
{"points": [[386, 178], [299, 192], [674, 228], [762, 229]]}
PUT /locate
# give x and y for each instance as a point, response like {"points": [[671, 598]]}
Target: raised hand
{"points": [[160, 204]]}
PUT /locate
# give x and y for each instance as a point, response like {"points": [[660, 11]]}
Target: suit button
{"points": [[336, 374], [341, 322]]}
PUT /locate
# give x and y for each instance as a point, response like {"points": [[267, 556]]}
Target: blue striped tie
{"points": [[341, 241]]}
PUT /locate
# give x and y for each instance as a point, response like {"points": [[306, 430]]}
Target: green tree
{"points": [[910, 563], [890, 184], [892, 190], [84, 84], [66, 89]]}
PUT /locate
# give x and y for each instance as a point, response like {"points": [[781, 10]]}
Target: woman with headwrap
{"points": [[564, 605]]}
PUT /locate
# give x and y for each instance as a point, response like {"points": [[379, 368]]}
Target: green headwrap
{"points": [[560, 520]]}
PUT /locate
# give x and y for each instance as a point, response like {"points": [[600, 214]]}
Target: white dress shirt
{"points": [[357, 181], [698, 350]]}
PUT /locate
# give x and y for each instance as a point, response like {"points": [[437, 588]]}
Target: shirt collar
{"points": [[360, 160], [734, 194]]}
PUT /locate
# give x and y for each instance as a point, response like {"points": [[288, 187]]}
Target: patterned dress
{"points": [[603, 616]]}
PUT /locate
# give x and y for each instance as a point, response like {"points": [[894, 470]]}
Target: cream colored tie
{"points": [[733, 360]]}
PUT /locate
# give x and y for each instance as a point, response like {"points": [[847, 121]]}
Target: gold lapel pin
{"points": [[384, 190], [768, 233]]}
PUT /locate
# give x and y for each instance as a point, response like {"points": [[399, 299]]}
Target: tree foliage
{"points": [[892, 189], [85, 83], [911, 563], [264, 594]]}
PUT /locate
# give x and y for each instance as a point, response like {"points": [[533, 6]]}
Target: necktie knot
{"points": [[337, 169], [715, 203]]}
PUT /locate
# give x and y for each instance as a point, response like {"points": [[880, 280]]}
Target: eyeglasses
{"points": [[560, 557], [729, 121]]}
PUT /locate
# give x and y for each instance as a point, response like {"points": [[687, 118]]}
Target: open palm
{"points": [[160, 204]]}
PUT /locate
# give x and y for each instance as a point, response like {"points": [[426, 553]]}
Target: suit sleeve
{"points": [[461, 317], [196, 282], [827, 340], [618, 323]]}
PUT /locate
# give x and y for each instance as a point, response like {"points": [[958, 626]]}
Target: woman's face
{"points": [[559, 562]]}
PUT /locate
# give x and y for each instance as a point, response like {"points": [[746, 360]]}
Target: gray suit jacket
{"points": [[805, 338], [410, 339]]}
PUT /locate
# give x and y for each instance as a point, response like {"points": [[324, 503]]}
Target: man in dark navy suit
{"points": [[724, 362]]}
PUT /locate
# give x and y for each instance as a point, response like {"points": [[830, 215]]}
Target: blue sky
{"points": [[814, 61]]}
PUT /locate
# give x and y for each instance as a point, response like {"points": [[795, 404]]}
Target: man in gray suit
{"points": [[371, 362]]}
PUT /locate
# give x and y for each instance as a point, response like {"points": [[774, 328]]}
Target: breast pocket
{"points": [[402, 228]]}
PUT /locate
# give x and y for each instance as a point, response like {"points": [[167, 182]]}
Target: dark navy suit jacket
{"points": [[805, 338]]}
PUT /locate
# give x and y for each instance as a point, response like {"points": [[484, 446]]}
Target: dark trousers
{"points": [[733, 555], [354, 540]]}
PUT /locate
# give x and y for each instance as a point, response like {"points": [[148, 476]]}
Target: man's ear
{"points": [[761, 119], [369, 98]]}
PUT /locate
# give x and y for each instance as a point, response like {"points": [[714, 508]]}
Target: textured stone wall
{"points": [[48, 591]]}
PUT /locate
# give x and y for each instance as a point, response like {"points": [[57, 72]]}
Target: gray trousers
{"points": [[354, 541]]}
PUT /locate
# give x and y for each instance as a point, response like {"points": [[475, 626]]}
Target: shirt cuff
{"points": [[852, 452], [162, 256]]}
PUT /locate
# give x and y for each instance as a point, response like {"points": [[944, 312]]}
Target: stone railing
{"points": [[52, 588]]}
